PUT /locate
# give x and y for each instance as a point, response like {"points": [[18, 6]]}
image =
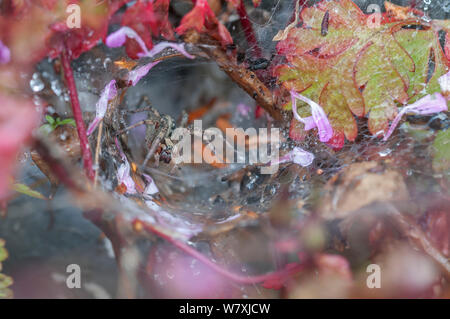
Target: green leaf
{"points": [[24, 189], [5, 281], [67, 121], [6, 293], [356, 69], [50, 119], [441, 147], [3, 251], [46, 129]]}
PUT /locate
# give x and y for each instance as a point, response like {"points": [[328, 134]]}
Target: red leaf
{"points": [[202, 19], [256, 3], [296, 131], [34, 29], [329, 264], [94, 26], [436, 224], [337, 141], [148, 19], [278, 281], [17, 120]]}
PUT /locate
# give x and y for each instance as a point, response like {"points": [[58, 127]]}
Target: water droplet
{"points": [[106, 62], [56, 87], [385, 152], [36, 83], [169, 274]]}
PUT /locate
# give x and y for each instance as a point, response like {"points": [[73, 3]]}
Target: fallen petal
{"points": [[319, 118], [5, 53], [108, 93], [164, 45], [444, 82], [137, 74], [151, 188], [302, 157], [427, 105], [297, 155], [118, 38], [124, 177], [243, 109]]}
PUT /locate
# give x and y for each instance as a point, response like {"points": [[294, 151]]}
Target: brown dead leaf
{"points": [[359, 185]]}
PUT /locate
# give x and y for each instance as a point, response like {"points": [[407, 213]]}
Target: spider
{"points": [[159, 129]]}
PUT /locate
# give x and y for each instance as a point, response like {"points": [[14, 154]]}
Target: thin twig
{"points": [[245, 78], [78, 115], [417, 237], [248, 29], [97, 151], [238, 278]]}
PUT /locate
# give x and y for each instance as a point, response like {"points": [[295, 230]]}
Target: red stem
{"points": [[246, 280], [78, 115], [248, 29]]}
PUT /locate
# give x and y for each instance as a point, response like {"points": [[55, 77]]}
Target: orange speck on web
{"points": [[125, 64], [138, 227]]}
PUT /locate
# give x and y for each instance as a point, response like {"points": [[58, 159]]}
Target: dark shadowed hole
{"points": [[415, 27], [431, 65]]}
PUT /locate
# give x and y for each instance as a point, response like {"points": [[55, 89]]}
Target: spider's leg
{"points": [[155, 145], [144, 109], [144, 100], [143, 122], [184, 118]]}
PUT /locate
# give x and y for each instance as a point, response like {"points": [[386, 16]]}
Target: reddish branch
{"points": [[78, 115], [418, 238], [248, 30], [90, 201], [245, 78], [238, 278]]}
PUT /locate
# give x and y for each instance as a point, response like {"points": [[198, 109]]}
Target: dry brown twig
{"points": [[245, 78], [417, 237]]}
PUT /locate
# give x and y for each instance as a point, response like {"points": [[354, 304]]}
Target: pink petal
{"points": [[302, 157], [5, 53], [151, 188], [137, 74], [123, 172], [309, 123], [427, 105], [93, 125], [118, 38], [108, 93], [243, 109], [298, 156], [319, 117], [444, 82], [323, 125], [164, 45], [119, 148], [124, 177]]}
